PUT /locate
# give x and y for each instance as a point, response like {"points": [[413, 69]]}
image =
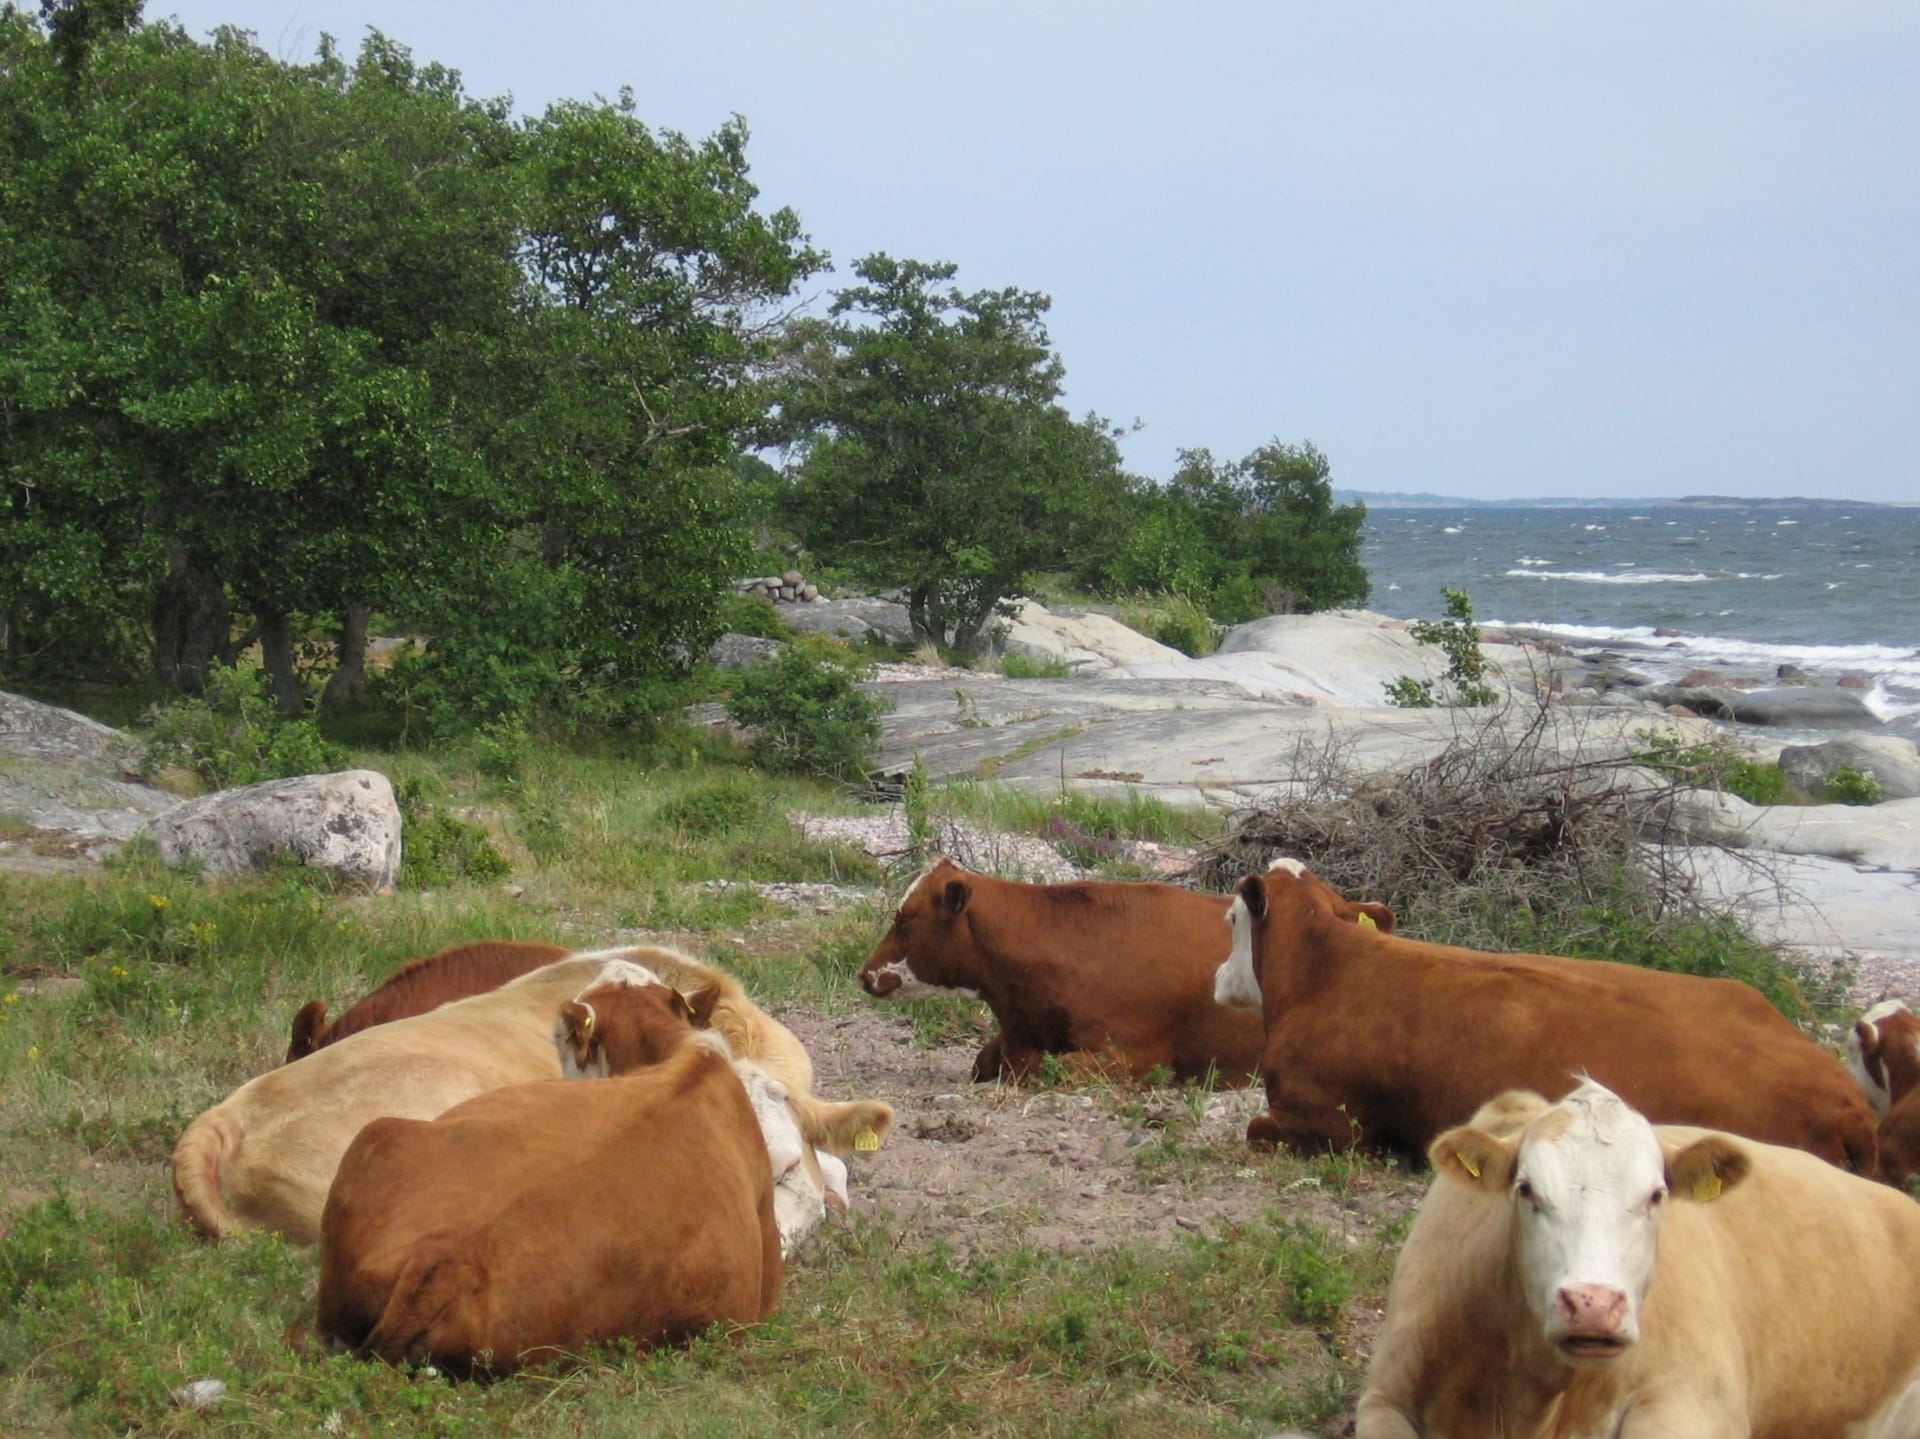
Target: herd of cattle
{"points": [[513, 1150]]}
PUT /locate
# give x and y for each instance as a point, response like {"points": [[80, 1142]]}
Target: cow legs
{"points": [[1307, 1128], [988, 1063]]}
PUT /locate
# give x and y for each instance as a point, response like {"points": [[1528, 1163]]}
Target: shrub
{"points": [[1177, 622], [1466, 677], [439, 848], [808, 713], [231, 735], [1847, 785], [743, 614], [1714, 764]]}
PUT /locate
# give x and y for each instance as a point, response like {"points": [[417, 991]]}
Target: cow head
{"points": [[1585, 1181], [1883, 1051], [627, 1019], [309, 1030], [806, 1182], [929, 947], [1266, 913]]}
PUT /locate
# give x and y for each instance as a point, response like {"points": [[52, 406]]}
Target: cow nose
{"points": [[878, 982], [1592, 1311]]}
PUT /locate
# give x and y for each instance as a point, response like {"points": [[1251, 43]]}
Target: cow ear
{"points": [[1253, 894], [1864, 1030], [701, 1004], [955, 895], [576, 1025], [1475, 1158], [1706, 1168], [1381, 917]]}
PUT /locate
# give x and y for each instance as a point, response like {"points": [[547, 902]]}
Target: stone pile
{"points": [[787, 589]]}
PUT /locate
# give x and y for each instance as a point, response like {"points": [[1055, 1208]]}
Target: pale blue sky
{"points": [[1646, 248]]}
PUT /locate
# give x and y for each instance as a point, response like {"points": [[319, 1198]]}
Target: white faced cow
{"points": [[1575, 1271]]}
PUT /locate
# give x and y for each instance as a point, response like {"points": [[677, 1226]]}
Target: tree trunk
{"points": [[276, 649], [192, 623], [348, 682]]}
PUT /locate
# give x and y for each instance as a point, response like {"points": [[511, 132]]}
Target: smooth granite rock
{"points": [[347, 822]]}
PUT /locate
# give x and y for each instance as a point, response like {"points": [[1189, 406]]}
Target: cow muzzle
{"points": [[880, 982], [1593, 1322]]}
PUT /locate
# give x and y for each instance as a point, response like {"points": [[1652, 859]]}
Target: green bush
{"points": [[231, 735], [1711, 765], [1466, 677], [438, 848], [808, 713], [743, 614], [1847, 785]]}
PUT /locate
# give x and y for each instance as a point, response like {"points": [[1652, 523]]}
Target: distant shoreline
{"points": [[1400, 500]]}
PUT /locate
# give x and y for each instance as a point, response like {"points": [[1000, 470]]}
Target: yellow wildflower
{"points": [[159, 901]]}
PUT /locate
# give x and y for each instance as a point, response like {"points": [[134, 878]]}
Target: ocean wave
{"points": [[1895, 668], [1601, 577]]}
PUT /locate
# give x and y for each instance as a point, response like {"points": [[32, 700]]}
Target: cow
{"points": [[264, 1156], [592, 1041], [1883, 1051], [1576, 1271], [531, 1221], [420, 985], [1112, 976], [1380, 1041]]}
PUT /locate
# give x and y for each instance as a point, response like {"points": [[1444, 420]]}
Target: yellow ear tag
{"points": [[1470, 1164], [1706, 1188], [866, 1141], [1365, 921]]}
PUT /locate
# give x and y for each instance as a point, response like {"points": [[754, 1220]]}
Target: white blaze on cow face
{"points": [[1864, 1035], [800, 1186], [1234, 984], [905, 984]]}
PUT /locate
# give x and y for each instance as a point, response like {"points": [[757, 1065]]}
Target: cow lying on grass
{"points": [[420, 985], [1117, 976], [532, 1221], [1883, 1051], [265, 1155], [1381, 1041], [1575, 1271]]}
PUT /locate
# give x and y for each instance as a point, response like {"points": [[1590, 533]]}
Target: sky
{"points": [[1496, 250]]}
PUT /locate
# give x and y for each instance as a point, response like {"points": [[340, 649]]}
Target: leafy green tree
{"points": [[1458, 638], [932, 452]]}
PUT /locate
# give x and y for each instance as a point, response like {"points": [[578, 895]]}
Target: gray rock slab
{"points": [[1890, 759], [851, 619], [1791, 707], [1880, 836], [65, 773], [1821, 906]]}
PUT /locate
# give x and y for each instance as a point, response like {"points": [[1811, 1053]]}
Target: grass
{"points": [[135, 997]]}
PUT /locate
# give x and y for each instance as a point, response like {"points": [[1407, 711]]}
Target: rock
{"points": [[1088, 644], [1789, 706], [809, 593], [739, 652], [791, 577], [65, 773], [1891, 760], [850, 619], [346, 822], [1697, 679], [1886, 835], [1854, 680], [200, 1394], [1792, 675]]}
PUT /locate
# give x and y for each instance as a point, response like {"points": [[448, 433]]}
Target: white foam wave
{"points": [[1895, 670], [1600, 577]]}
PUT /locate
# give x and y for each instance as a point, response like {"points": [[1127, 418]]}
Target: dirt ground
{"points": [[986, 1166]]}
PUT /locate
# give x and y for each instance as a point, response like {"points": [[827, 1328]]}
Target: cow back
{"points": [[531, 1221]]}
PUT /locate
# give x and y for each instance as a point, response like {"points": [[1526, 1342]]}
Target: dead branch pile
{"points": [[1501, 835]]}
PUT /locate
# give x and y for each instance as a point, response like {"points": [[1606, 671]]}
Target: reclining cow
{"points": [[1113, 975], [1377, 1040], [534, 1220], [1883, 1051], [420, 985], [1575, 1271], [264, 1156]]}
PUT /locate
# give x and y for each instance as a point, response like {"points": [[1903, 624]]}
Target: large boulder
{"points": [[1890, 759], [850, 619], [346, 822], [1086, 643], [1792, 706]]}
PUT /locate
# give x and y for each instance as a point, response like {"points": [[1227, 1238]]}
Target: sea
{"points": [[1741, 587]]}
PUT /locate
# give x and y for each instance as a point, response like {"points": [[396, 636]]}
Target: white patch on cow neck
{"points": [[1292, 866], [799, 1189], [1879, 1097], [1588, 1223], [622, 973], [912, 986], [1233, 983]]}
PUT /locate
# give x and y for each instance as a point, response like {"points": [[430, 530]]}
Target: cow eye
{"points": [[1525, 1190], [1653, 1199]]}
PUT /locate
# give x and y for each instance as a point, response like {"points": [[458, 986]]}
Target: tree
{"points": [[931, 453]]}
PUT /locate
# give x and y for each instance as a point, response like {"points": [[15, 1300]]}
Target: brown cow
{"points": [[1112, 974], [1883, 1051], [520, 1226], [420, 985], [1382, 1041], [1575, 1271]]}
